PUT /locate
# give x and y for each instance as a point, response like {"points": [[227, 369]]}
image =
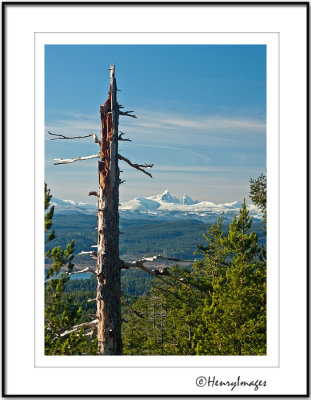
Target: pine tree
{"points": [[234, 323], [213, 265], [179, 305], [60, 314], [215, 307], [166, 319], [258, 194], [139, 332]]}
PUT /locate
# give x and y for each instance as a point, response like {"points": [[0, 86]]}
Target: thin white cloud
{"points": [[165, 121], [70, 114], [77, 124], [203, 169], [175, 149], [208, 123], [185, 139], [170, 131]]}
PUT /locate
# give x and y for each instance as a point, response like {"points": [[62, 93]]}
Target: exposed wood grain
{"points": [[108, 263]]}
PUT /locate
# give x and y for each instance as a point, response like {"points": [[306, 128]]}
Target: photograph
{"points": [[155, 224]]}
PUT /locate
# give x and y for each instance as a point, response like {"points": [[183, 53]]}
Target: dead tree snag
{"points": [[109, 265]]}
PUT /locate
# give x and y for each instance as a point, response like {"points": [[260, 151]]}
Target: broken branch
{"points": [[121, 138], [71, 160], [140, 264], [139, 167], [127, 114], [91, 324], [96, 140], [154, 258], [90, 300], [81, 271], [93, 254]]}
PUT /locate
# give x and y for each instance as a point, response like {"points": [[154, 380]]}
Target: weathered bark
{"points": [[108, 269], [108, 263]]}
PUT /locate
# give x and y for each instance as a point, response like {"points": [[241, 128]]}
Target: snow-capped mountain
{"points": [[166, 197], [168, 206], [164, 206], [73, 207], [160, 202]]}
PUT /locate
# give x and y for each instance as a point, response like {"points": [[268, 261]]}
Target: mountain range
{"points": [[163, 206]]}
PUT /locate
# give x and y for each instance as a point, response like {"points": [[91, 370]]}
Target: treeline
{"points": [[214, 306], [139, 238], [135, 283], [218, 307]]}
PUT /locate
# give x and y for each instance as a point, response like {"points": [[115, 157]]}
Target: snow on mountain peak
{"points": [[168, 198], [72, 202], [71, 206], [167, 205], [188, 200], [163, 205]]}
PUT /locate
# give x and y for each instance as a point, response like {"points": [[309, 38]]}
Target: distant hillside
{"points": [[177, 238]]}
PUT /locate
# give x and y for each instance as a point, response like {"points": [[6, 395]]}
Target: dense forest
{"points": [[139, 237], [215, 305]]}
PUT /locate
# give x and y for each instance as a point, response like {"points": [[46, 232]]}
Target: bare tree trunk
{"points": [[108, 262], [109, 265]]}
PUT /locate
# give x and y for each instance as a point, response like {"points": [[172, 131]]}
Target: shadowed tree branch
{"points": [[120, 137], [139, 167], [127, 114], [96, 140]]}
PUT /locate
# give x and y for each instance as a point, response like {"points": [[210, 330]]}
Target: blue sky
{"points": [[201, 117]]}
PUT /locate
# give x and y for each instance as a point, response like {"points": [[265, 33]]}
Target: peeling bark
{"points": [[108, 263]]}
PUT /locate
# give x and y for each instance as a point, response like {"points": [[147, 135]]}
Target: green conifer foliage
{"points": [[258, 194], [213, 265], [168, 316], [234, 323], [180, 301], [133, 330], [142, 332], [61, 314], [215, 307], [49, 215]]}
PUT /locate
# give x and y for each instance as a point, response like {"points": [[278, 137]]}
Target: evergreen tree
{"points": [[49, 215], [167, 318], [216, 307], [258, 194], [139, 328], [61, 314], [214, 262], [234, 323], [180, 306]]}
